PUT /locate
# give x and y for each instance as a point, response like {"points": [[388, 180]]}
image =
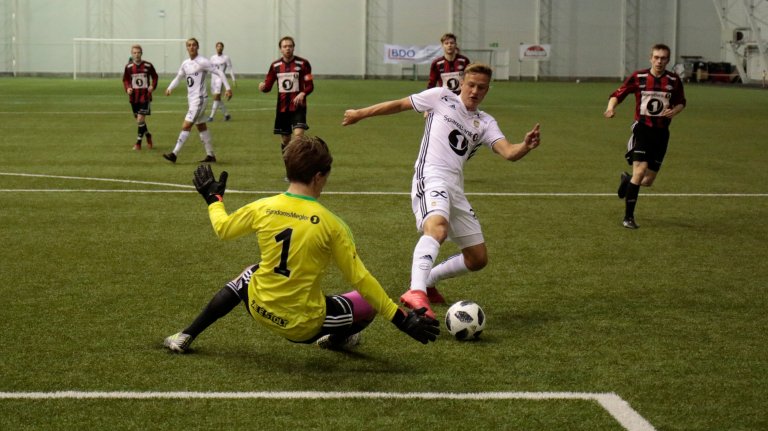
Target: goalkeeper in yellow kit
{"points": [[297, 238]]}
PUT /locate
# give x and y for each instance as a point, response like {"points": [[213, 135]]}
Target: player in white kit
{"points": [[455, 129], [224, 63], [195, 70]]}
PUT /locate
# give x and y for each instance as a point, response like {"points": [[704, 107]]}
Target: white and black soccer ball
{"points": [[465, 320]]}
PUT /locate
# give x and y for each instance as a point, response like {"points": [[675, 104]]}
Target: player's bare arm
{"points": [[610, 110], [352, 116], [514, 152]]}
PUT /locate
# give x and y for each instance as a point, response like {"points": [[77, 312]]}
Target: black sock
{"points": [[631, 200], [142, 131], [219, 306]]}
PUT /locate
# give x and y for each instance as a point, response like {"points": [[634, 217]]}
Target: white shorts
{"points": [[216, 85], [196, 113], [439, 199]]}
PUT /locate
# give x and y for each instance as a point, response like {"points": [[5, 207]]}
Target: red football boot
{"points": [[415, 299]]}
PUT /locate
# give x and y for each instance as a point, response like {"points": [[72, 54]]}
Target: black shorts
{"points": [[647, 144], [141, 108], [285, 122]]}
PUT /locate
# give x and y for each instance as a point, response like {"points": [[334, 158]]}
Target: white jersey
{"points": [[224, 64], [195, 71], [452, 135]]}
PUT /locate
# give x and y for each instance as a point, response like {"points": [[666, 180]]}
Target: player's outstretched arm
{"points": [[414, 323], [610, 110], [352, 116], [514, 152]]}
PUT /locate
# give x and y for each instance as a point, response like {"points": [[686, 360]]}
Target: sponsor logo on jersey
{"points": [[263, 312]]}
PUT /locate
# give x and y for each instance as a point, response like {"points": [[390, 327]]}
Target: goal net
{"points": [[101, 58]]}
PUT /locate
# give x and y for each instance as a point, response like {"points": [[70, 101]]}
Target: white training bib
{"points": [[139, 80], [451, 80], [288, 82], [653, 103]]}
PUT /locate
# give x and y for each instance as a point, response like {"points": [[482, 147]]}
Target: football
{"points": [[465, 320]]}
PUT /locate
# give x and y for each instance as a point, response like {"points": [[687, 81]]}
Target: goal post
{"points": [[103, 57]]}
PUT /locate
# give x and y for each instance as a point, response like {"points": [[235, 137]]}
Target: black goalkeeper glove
{"points": [[420, 327], [206, 184]]}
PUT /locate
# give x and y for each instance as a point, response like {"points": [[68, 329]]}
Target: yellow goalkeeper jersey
{"points": [[297, 238]]}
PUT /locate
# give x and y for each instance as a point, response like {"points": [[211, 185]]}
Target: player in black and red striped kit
{"points": [[140, 80], [447, 70], [293, 76], [659, 96]]}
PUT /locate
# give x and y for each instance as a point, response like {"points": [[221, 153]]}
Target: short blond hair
{"points": [[480, 68]]}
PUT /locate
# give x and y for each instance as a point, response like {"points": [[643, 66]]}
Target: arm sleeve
{"points": [[423, 101], [678, 95], [231, 226], [176, 79], [270, 79], [309, 84], [153, 74], [628, 87], [354, 271], [433, 76], [231, 69], [126, 78], [372, 291]]}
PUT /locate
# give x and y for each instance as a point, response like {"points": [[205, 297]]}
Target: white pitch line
{"points": [[612, 403], [329, 192], [375, 193]]}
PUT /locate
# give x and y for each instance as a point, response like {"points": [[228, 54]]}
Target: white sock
{"points": [[215, 107], [205, 136], [449, 268], [424, 255], [180, 142]]}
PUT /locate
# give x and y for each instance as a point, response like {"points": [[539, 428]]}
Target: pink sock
{"points": [[362, 309]]}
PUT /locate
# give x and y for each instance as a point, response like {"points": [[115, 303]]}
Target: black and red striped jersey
{"points": [[446, 73], [141, 77], [652, 95], [292, 77]]}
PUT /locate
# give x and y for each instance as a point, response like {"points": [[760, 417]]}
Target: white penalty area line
{"points": [[619, 409]]}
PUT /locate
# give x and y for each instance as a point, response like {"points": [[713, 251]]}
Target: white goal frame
{"points": [[77, 42]]}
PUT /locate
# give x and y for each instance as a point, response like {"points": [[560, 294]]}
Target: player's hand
{"points": [[168, 92], [533, 138], [228, 93], [299, 99], [206, 184], [609, 113], [420, 327], [262, 86], [350, 117], [129, 91]]}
